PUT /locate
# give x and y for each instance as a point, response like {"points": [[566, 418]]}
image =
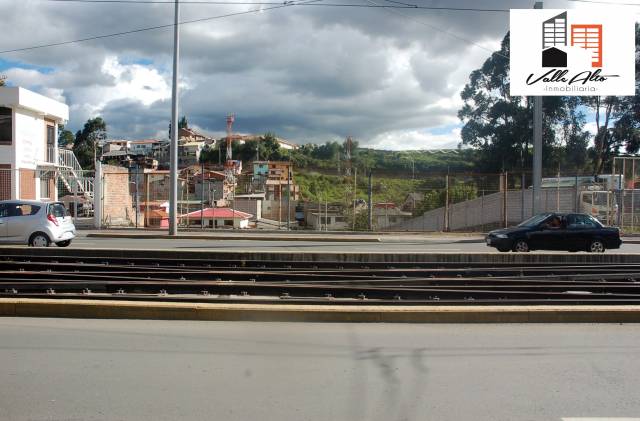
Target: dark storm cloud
{"points": [[307, 73]]}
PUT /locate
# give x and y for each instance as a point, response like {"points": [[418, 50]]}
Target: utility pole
{"points": [[202, 195], [355, 195], [289, 195], [173, 160], [537, 144], [370, 202]]}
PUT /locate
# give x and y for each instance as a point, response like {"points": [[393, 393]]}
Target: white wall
{"points": [[29, 139]]}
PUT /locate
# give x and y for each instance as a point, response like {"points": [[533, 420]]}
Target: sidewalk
{"points": [[315, 236]]}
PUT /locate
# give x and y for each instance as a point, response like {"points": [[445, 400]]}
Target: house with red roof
{"points": [[217, 218]]}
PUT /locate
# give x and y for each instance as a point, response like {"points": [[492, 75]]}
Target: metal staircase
{"points": [[72, 174]]}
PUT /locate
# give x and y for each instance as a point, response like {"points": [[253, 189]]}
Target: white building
{"points": [[332, 221], [29, 144], [217, 218], [142, 147]]}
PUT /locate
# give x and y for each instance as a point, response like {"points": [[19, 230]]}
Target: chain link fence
{"points": [[460, 202]]}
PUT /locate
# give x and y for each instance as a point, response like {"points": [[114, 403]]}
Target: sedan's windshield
{"points": [[534, 220]]}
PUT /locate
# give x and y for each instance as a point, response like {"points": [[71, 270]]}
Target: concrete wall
{"points": [[488, 211], [274, 209], [252, 206]]}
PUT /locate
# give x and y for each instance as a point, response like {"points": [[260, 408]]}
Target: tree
{"points": [[3, 80], [65, 137], [499, 126], [182, 123], [87, 141], [269, 147], [617, 122]]}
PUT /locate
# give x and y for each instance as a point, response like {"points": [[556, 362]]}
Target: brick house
{"points": [[29, 144]]}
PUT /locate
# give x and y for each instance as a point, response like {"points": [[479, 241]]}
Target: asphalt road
{"points": [[66, 369], [408, 245]]}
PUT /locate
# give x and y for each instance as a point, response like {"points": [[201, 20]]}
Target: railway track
{"points": [[247, 281]]}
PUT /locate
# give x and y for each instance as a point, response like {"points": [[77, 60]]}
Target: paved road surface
{"points": [[65, 369], [408, 245]]}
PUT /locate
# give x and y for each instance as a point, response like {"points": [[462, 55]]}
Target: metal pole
{"points": [[522, 190], [482, 210], [577, 204], [326, 214], [137, 195], [146, 205], [75, 200], [173, 150], [446, 203], [289, 196], [621, 193], [370, 198], [504, 203], [558, 192], [202, 195], [355, 176], [537, 145], [633, 189]]}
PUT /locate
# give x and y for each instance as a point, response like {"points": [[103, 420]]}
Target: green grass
{"points": [[315, 186]]}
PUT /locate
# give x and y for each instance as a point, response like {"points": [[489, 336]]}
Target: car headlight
{"points": [[501, 236]]}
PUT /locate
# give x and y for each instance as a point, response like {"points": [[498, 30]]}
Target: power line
{"points": [[444, 31], [606, 2], [150, 28], [399, 5]]}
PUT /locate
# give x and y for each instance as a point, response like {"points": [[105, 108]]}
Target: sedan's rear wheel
{"points": [[596, 246], [39, 239], [521, 246]]}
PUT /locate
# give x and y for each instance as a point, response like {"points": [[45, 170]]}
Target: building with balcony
{"points": [[29, 144]]}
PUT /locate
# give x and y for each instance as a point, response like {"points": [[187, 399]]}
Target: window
{"points": [[6, 175], [58, 210], [22, 209], [580, 222], [51, 142], [6, 131], [4, 210], [339, 218]]}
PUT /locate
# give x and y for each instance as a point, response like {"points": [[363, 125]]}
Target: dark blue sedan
{"points": [[556, 231]]}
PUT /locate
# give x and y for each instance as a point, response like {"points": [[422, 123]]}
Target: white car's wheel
{"points": [[39, 239]]}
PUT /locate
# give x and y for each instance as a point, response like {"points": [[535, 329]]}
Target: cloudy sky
{"points": [[390, 79]]}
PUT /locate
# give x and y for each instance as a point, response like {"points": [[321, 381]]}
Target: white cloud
{"points": [[308, 74], [133, 81], [414, 139]]}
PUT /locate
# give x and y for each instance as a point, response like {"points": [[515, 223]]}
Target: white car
{"points": [[35, 223]]}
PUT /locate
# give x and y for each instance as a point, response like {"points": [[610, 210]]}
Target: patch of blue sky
{"points": [[6, 64], [446, 129], [136, 60]]}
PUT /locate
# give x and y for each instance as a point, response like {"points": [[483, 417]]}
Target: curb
{"points": [[97, 309], [235, 237]]}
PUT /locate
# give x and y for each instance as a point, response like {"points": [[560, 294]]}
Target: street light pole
{"points": [[173, 160], [537, 145]]}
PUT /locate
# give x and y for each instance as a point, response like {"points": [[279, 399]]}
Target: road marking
{"points": [[599, 419]]}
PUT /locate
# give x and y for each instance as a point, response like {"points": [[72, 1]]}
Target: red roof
{"points": [[218, 213]]}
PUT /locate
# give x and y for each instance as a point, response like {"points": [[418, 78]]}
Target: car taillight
{"points": [[52, 219]]}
